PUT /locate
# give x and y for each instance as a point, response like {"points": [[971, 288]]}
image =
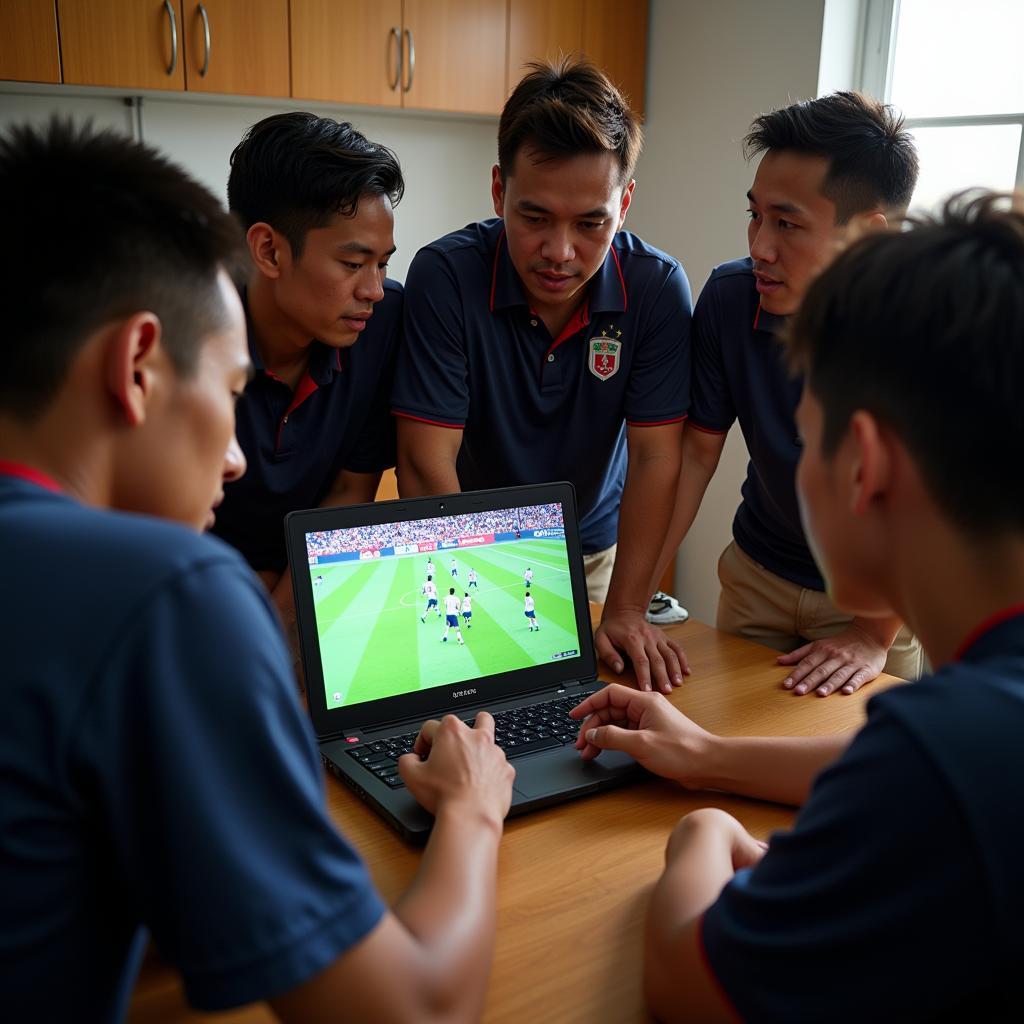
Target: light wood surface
{"points": [[120, 43], [248, 47], [29, 48], [460, 55], [542, 30], [574, 879], [342, 50], [615, 38]]}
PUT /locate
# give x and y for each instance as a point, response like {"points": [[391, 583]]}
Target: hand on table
{"points": [[462, 764], [657, 660], [645, 726], [844, 662]]}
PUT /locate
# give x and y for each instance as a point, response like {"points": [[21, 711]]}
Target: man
{"points": [[530, 610], [537, 344], [315, 198], [467, 610], [904, 865], [472, 579], [158, 773], [453, 569], [831, 168], [527, 578], [429, 589], [452, 604]]}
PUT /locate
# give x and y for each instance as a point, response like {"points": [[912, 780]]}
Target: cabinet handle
{"points": [[412, 59], [393, 34], [206, 41], [174, 37]]}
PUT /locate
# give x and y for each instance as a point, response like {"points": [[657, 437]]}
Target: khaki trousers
{"points": [[758, 605], [598, 568]]}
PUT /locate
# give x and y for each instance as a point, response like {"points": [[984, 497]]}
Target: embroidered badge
{"points": [[605, 354]]}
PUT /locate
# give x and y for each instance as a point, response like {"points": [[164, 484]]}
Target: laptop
{"points": [[409, 610]]}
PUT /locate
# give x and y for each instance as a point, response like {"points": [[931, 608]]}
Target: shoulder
{"points": [[636, 257], [473, 242], [736, 275]]}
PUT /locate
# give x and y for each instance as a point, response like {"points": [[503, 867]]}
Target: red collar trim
{"points": [[622, 280], [33, 476], [757, 315], [494, 269], [986, 627]]}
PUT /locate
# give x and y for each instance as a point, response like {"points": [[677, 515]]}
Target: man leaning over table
{"points": [[536, 345]]}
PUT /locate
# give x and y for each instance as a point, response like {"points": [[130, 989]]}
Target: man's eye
{"points": [[592, 225], [531, 220], [786, 224], [352, 266], [752, 214]]}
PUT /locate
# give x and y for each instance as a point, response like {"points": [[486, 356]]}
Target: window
{"points": [[954, 69]]}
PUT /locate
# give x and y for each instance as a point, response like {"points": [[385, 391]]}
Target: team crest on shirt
{"points": [[605, 353]]}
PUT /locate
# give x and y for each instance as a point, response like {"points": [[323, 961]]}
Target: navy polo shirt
{"points": [[898, 893], [297, 442], [739, 371], [536, 408], [156, 773]]}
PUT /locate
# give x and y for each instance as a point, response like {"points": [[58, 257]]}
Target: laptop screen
{"points": [[412, 605]]}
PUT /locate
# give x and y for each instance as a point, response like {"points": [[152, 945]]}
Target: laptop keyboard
{"points": [[519, 731]]}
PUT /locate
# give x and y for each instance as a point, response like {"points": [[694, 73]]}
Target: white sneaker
{"points": [[664, 610]]}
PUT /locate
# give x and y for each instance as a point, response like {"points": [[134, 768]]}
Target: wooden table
{"points": [[574, 880]]}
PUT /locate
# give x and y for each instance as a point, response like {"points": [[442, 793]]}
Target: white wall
{"points": [[447, 161], [713, 67]]}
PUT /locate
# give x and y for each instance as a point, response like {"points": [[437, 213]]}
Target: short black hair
{"points": [[100, 227], [564, 109], [295, 171], [924, 328], [872, 157]]}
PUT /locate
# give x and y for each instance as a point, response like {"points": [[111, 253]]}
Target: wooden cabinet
{"points": [[615, 38], [133, 44], [424, 54], [454, 55], [29, 47], [612, 33], [347, 51], [237, 46]]}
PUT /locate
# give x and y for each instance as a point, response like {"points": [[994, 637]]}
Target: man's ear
{"points": [[134, 356], [266, 247], [627, 198], [497, 191], [871, 467]]}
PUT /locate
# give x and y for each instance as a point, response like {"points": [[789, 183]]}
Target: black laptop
{"points": [[409, 610]]}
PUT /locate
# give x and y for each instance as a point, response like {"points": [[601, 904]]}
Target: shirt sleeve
{"points": [[870, 909], [432, 379], [712, 407], [659, 380], [210, 778]]}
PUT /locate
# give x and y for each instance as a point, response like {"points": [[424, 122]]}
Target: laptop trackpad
{"points": [[563, 770]]}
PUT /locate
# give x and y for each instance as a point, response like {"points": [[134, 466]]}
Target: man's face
{"points": [[328, 293], [560, 218], [180, 457], [792, 233], [851, 557]]}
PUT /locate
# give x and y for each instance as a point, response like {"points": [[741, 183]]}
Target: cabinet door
{"points": [[346, 51], [134, 44], [541, 30], [29, 50], [615, 38], [248, 46], [455, 55]]}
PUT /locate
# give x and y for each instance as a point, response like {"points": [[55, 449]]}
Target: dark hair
{"points": [[295, 171], [100, 227], [872, 157], [924, 328], [565, 109]]}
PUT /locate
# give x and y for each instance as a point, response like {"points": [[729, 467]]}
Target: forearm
{"points": [[419, 476], [777, 768], [882, 630], [450, 908], [644, 516], [352, 489], [696, 471]]}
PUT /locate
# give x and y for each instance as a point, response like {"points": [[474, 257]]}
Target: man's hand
{"points": [[645, 726], [463, 765], [843, 662], [657, 660]]}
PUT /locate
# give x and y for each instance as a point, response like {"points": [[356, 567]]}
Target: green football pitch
{"points": [[373, 643]]}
